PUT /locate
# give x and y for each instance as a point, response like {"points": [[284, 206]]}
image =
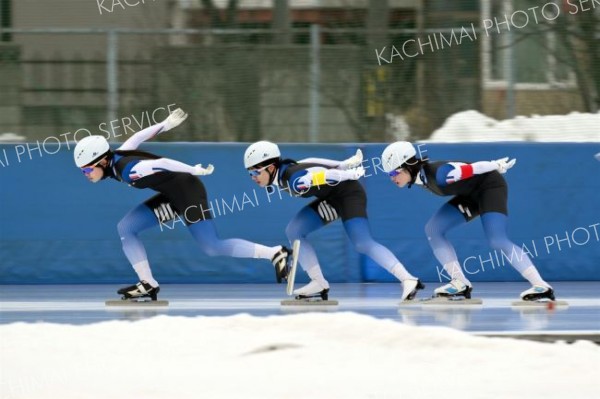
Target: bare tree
{"points": [[227, 19], [239, 81], [577, 31], [378, 16], [579, 34]]}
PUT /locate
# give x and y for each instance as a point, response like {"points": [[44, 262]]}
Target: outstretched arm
{"points": [[330, 163], [353, 162], [456, 171], [303, 180], [172, 121], [149, 167]]}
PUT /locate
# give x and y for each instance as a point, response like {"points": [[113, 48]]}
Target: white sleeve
{"points": [[143, 135], [482, 167], [330, 163], [151, 166]]}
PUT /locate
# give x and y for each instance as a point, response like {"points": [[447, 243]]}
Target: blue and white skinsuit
{"points": [[180, 195]]}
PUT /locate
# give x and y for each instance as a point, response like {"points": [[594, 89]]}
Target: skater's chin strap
{"points": [[420, 178], [273, 174], [107, 169], [415, 169]]}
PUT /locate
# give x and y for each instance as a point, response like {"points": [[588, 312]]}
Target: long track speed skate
{"points": [[281, 264], [454, 293], [140, 294], [311, 294], [539, 296]]}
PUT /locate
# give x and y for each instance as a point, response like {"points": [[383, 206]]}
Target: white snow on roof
{"points": [[472, 126], [11, 138], [311, 355]]}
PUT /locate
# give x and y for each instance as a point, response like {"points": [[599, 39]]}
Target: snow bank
{"points": [[313, 355], [11, 138], [471, 126]]}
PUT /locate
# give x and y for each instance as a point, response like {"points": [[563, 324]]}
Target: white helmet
{"points": [[90, 149], [260, 152], [396, 154]]}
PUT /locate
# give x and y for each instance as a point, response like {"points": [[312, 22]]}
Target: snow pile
{"points": [[471, 126], [11, 138], [312, 355]]}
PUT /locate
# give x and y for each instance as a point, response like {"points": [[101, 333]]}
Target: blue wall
{"points": [[57, 228]]}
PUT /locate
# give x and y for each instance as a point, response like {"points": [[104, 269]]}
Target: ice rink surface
{"points": [[84, 304]]}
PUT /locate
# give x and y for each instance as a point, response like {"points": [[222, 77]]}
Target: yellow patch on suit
{"points": [[318, 178]]}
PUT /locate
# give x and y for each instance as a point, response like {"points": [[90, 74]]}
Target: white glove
{"points": [[353, 174], [175, 119], [504, 164], [200, 171], [352, 162]]}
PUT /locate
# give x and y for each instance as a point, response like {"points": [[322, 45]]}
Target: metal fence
{"points": [[330, 85]]}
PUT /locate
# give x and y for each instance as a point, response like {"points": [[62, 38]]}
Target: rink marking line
{"points": [[237, 304], [546, 336], [538, 332]]}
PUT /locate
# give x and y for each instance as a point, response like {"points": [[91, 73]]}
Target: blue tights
{"points": [[142, 218], [307, 221], [494, 226]]}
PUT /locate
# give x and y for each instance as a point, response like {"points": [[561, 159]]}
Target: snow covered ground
{"points": [[472, 126], [310, 355]]}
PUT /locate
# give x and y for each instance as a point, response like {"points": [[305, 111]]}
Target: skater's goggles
{"points": [[256, 172], [89, 169], [395, 172]]}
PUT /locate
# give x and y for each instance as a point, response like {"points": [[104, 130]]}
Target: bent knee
{"points": [[292, 232], [500, 244], [211, 251], [122, 228], [364, 246], [432, 232]]}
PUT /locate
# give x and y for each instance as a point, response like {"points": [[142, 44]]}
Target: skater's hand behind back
{"points": [[200, 171], [352, 162], [355, 173], [504, 164]]}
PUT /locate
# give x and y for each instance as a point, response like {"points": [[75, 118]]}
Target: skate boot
{"points": [[312, 290], [410, 288], [280, 261], [453, 289], [538, 292], [142, 289]]}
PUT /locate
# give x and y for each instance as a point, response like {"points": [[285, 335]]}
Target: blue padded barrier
{"points": [[57, 228]]}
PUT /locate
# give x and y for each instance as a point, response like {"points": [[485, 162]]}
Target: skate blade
{"points": [[136, 303], [440, 300], [540, 303], [309, 302], [291, 278]]}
